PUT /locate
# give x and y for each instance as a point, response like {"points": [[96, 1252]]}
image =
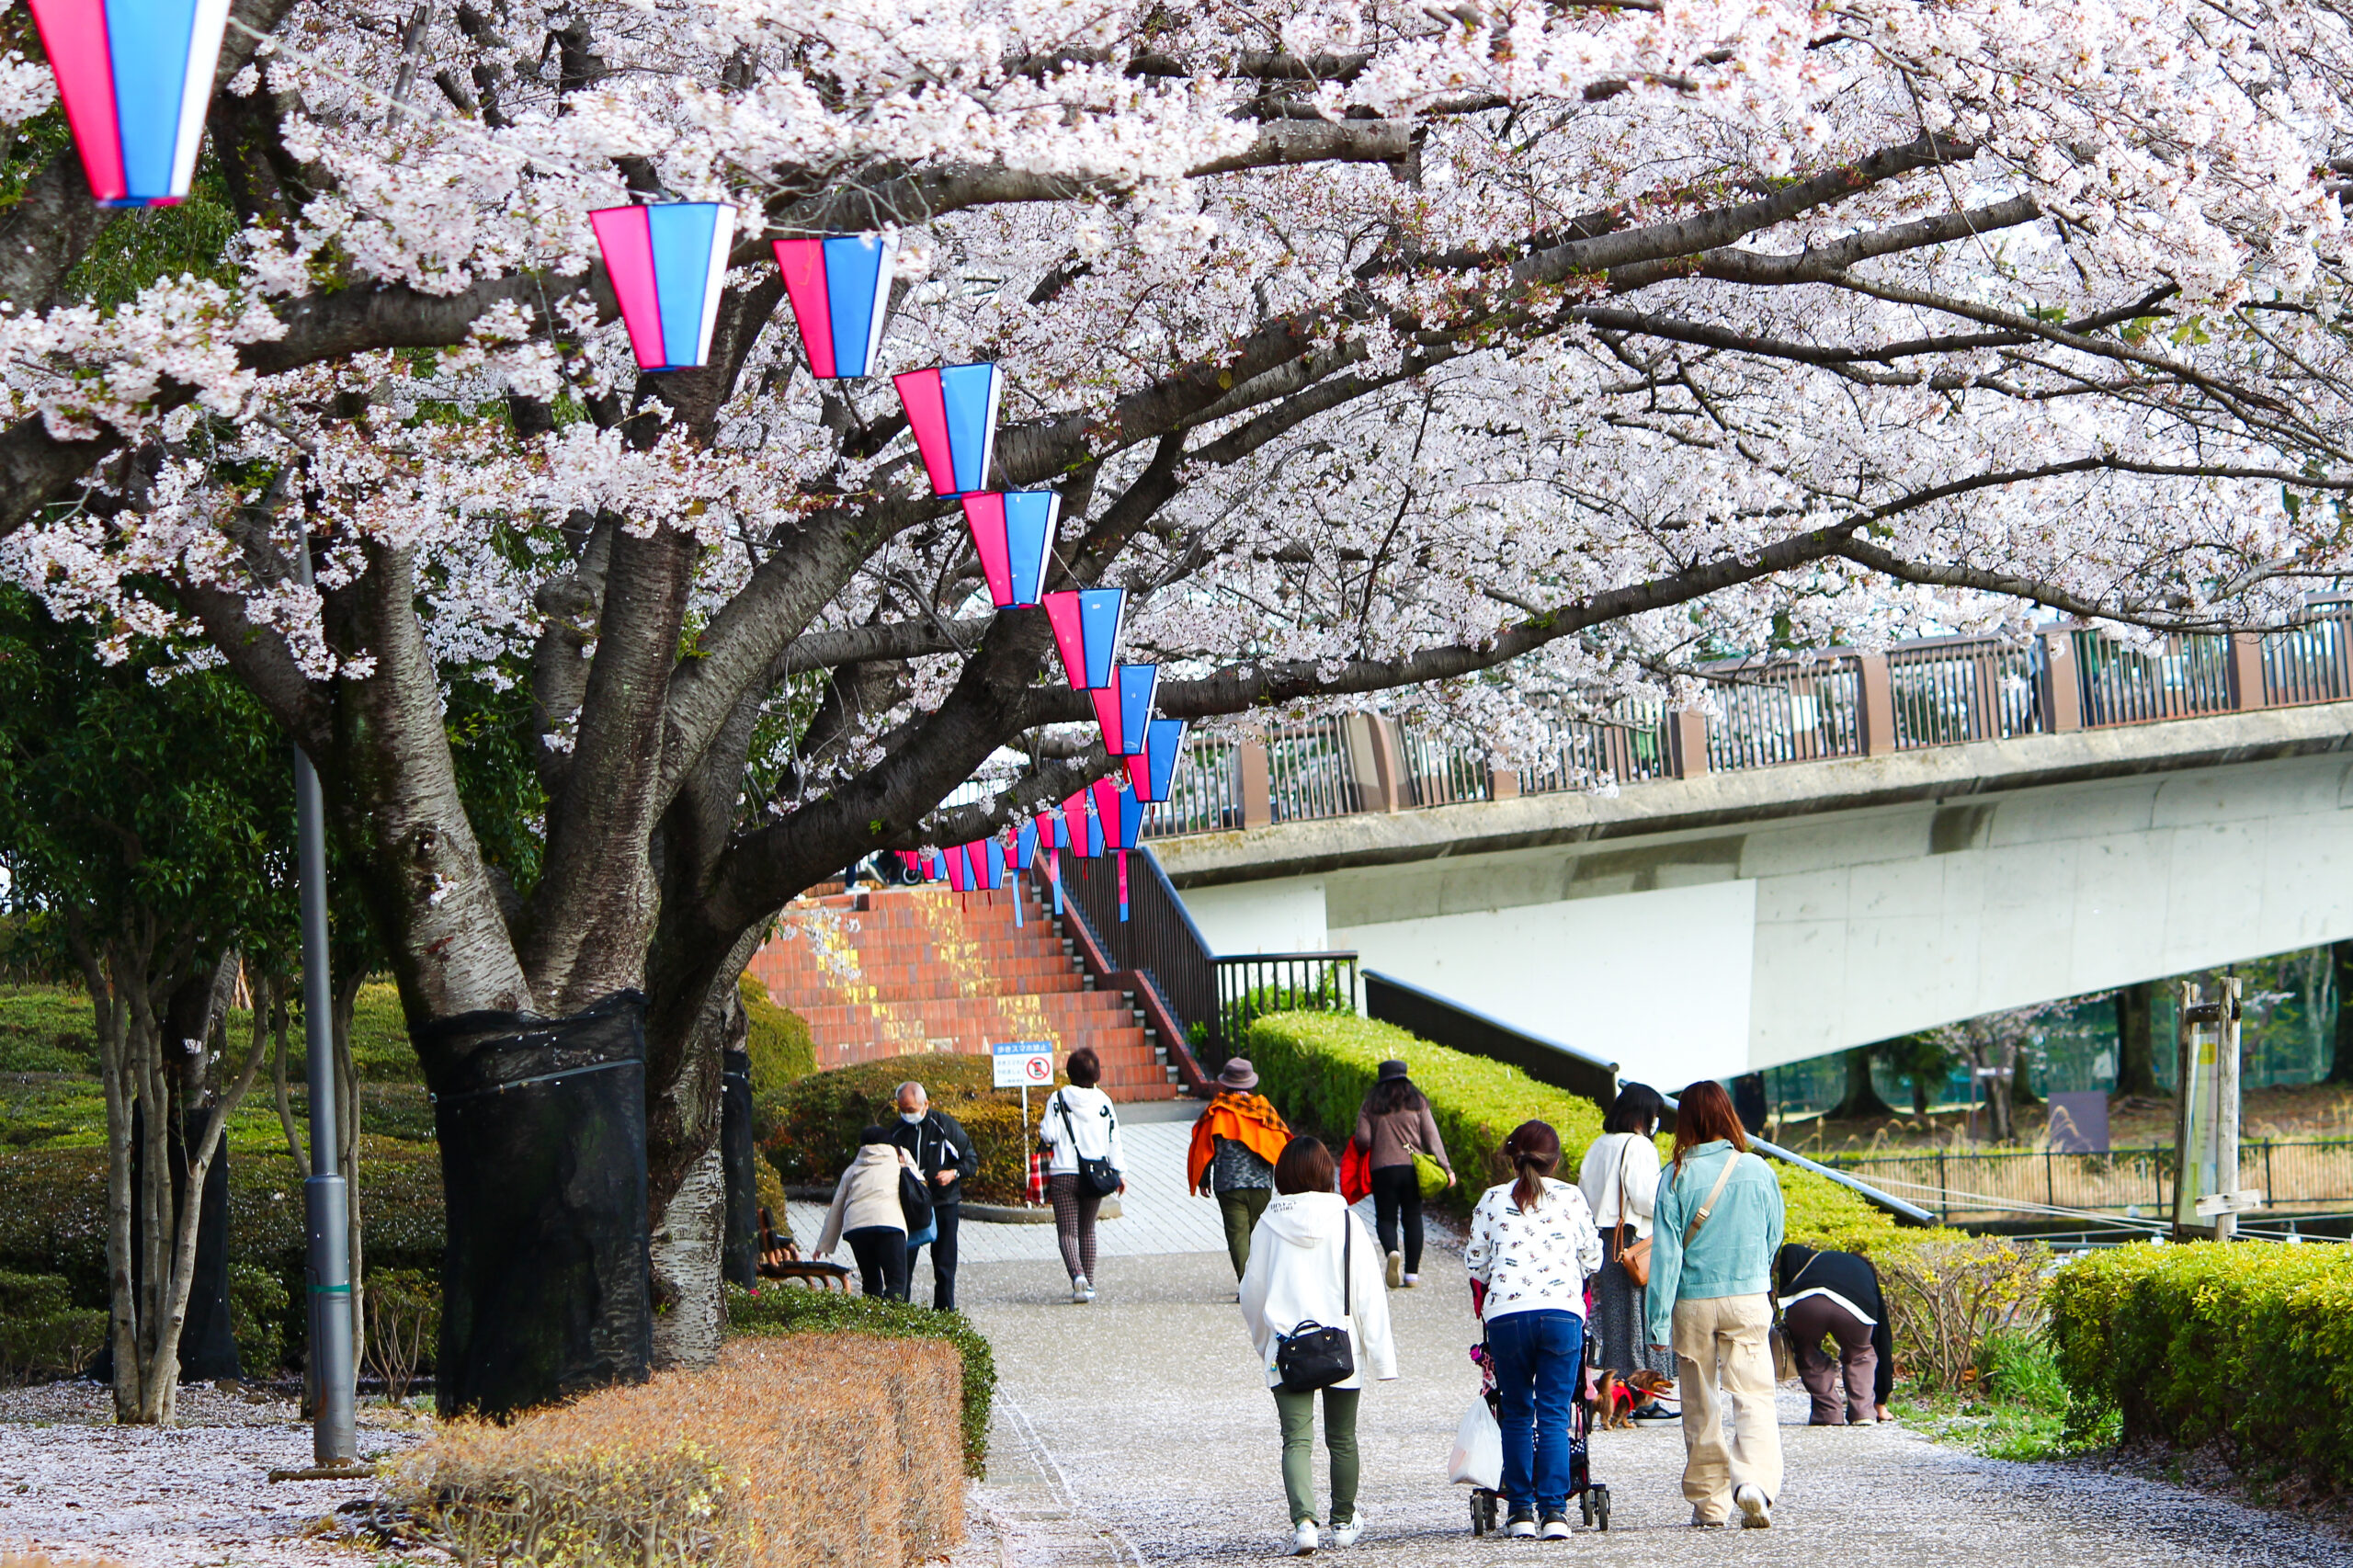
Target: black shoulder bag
{"points": [[1311, 1356], [1100, 1178]]}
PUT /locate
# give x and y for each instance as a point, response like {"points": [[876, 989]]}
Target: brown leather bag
{"points": [[1634, 1259]]}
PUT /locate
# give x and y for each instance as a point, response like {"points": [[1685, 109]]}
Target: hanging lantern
{"points": [[952, 411], [1087, 633], [990, 855], [1085, 831], [1025, 845], [666, 262], [959, 878], [1122, 708], [1152, 769], [1055, 837], [136, 80], [840, 288], [1013, 533]]}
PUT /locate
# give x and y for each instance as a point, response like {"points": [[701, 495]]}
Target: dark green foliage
{"points": [[812, 1131], [46, 1028], [42, 1333], [257, 1311], [781, 1051], [53, 1221], [790, 1309]]}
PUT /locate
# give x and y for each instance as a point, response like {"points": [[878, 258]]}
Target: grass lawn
{"points": [[2017, 1412]]}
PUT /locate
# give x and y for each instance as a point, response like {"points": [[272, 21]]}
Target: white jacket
{"points": [[867, 1195], [1294, 1278], [1534, 1261], [1598, 1179], [1093, 1130]]}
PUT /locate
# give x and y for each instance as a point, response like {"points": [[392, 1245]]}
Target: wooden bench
{"points": [[780, 1260]]}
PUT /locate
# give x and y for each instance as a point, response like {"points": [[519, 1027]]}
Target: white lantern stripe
{"points": [[136, 78]]}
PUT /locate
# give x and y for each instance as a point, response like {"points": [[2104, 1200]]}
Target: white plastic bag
{"points": [[1478, 1459]]}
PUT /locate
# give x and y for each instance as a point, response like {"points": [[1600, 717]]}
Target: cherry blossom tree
{"points": [[1491, 362]]}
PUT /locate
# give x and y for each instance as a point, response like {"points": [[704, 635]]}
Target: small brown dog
{"points": [[1613, 1401]]}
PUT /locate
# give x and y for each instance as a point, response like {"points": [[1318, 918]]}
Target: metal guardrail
{"points": [[1251, 984], [1933, 692], [1974, 1185]]}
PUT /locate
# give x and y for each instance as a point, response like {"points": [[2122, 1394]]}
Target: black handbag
{"points": [[1100, 1178], [1311, 1356], [914, 1203]]}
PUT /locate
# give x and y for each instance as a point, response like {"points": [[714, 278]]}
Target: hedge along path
{"points": [[803, 1451], [2247, 1345]]}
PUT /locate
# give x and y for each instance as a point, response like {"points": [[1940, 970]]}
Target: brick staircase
{"points": [[902, 970]]}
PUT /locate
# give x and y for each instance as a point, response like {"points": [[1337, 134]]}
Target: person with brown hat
{"points": [[1395, 1125], [1235, 1144]]}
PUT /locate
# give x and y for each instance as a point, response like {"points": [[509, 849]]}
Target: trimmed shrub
{"points": [[780, 1045], [257, 1311], [808, 1451], [404, 1307], [813, 1134], [793, 1310], [2247, 1345], [42, 1333]]}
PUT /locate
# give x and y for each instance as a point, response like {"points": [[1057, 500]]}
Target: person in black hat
{"points": [[1395, 1125]]}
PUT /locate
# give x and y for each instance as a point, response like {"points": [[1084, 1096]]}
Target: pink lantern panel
{"points": [[1013, 533]]}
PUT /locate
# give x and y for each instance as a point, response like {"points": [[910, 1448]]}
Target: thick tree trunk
{"points": [[2136, 1056], [2340, 974], [686, 1253], [1862, 1097]]}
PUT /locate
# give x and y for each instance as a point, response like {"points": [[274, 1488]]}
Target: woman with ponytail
{"points": [[1532, 1243]]}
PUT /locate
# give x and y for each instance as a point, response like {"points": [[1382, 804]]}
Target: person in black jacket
{"points": [[1835, 1296], [943, 1152]]}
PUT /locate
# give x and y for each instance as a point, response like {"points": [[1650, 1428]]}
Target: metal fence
{"points": [[2176, 679], [1775, 714], [1981, 1185], [1311, 772], [1437, 773], [1204, 793], [1252, 984], [1948, 691], [1157, 937]]}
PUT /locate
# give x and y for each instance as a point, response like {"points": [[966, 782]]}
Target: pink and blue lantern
{"points": [[1086, 830], [840, 290], [667, 262], [136, 78], [952, 411], [1013, 533], [1123, 708], [1151, 769], [1087, 633]]}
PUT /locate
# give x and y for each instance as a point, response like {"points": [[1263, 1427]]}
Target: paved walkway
{"points": [[1137, 1431]]}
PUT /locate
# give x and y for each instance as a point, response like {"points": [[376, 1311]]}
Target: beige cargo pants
{"points": [[1724, 1338]]}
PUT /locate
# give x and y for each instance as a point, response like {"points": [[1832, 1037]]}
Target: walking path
{"points": [[1138, 1431]]}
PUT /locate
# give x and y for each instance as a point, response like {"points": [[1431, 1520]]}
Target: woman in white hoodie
{"points": [[1299, 1252], [866, 1213]]}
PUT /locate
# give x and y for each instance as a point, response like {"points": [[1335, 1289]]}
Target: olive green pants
{"points": [[1240, 1209], [1298, 1412]]}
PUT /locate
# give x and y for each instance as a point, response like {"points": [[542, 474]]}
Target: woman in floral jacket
{"points": [[1532, 1244]]}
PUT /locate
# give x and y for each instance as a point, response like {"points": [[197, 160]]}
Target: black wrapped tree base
{"points": [[542, 1123], [739, 1260]]}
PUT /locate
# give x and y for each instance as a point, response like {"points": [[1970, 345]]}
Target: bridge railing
{"points": [[1934, 692]]}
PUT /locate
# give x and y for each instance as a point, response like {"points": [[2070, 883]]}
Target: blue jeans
{"points": [[1539, 1357]]}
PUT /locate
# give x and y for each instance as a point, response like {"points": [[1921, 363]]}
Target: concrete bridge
{"points": [[1849, 851]]}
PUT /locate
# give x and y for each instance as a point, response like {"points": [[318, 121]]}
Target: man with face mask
{"points": [[943, 1152]]}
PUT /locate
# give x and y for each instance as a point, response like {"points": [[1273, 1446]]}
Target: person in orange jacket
{"points": [[1235, 1144]]}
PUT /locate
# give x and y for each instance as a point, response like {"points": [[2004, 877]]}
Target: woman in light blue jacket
{"points": [[1715, 1231]]}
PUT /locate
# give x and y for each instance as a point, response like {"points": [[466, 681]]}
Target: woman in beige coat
{"points": [[866, 1213]]}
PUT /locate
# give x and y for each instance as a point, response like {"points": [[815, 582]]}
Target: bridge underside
{"points": [[1715, 926]]}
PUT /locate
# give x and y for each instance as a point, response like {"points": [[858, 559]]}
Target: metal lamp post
{"points": [[327, 1205]]}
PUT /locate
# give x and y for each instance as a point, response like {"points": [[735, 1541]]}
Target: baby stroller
{"points": [[1486, 1516]]}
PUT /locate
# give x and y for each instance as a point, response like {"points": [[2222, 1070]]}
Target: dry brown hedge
{"points": [[793, 1452]]}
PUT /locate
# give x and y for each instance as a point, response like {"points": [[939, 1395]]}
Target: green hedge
{"points": [[53, 1221], [793, 1309], [1318, 1066], [780, 1047], [42, 1333], [2248, 1345]]}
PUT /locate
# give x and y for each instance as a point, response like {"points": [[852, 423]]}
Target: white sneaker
{"points": [[1413, 1281], [1345, 1535], [1396, 1269], [1302, 1540], [1521, 1526], [1081, 1292], [1755, 1509]]}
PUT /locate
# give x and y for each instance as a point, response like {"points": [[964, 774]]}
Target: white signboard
{"points": [[1022, 1062]]}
